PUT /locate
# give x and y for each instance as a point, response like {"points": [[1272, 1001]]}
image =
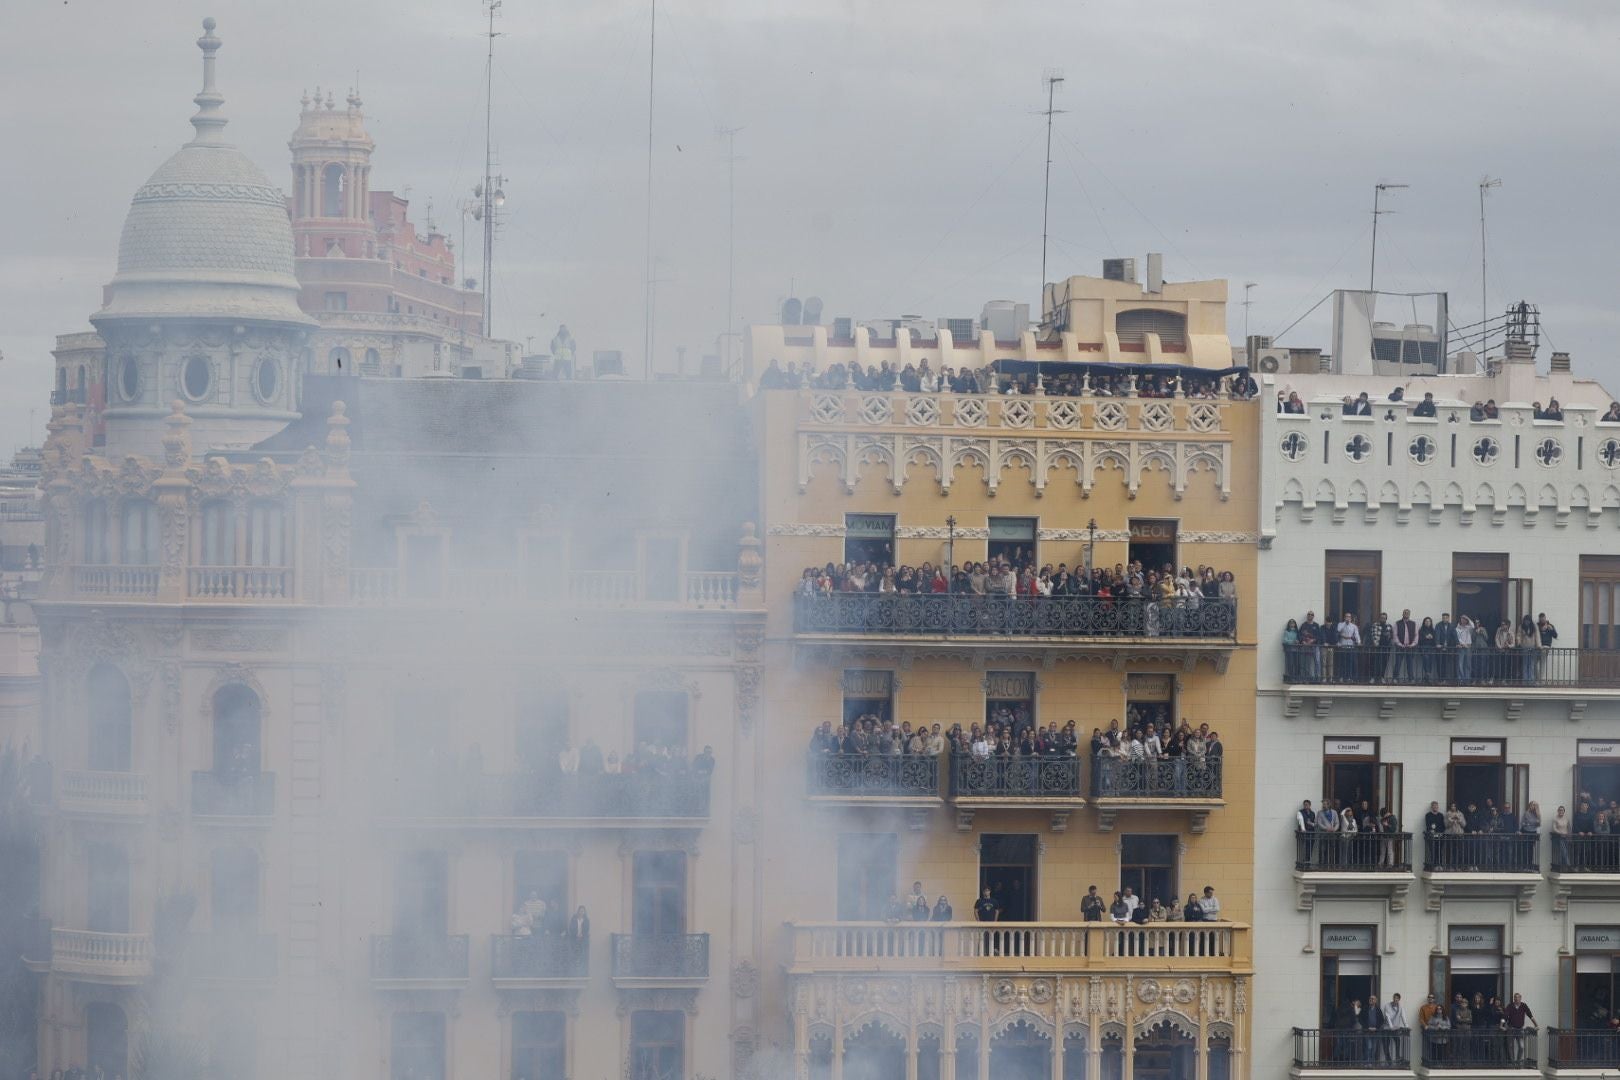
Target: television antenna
{"points": [[1378, 189], [1485, 185], [1053, 79]]}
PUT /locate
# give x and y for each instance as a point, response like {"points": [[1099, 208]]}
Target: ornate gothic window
{"points": [[110, 728], [141, 544]]}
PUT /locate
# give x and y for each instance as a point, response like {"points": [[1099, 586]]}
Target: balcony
{"points": [[1350, 1052], [233, 956], [504, 587], [114, 794], [253, 583], [1184, 783], [1506, 677], [1485, 1053], [909, 781], [233, 795], [1014, 783], [109, 959], [117, 582], [942, 615], [991, 948], [419, 961], [1585, 866], [1576, 1049], [646, 798], [660, 961], [1333, 864], [1482, 865], [538, 962]]}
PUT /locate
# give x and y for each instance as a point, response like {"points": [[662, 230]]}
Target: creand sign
{"points": [[1594, 750], [1476, 748]]}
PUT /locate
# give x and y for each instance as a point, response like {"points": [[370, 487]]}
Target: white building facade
{"points": [[1442, 514]]}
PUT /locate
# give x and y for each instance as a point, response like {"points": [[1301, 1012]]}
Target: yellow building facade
{"points": [[959, 478]]}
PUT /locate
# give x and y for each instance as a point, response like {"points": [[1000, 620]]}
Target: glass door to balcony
{"points": [[866, 872], [1353, 585], [1349, 973], [1147, 864], [1588, 1000], [1600, 617], [1599, 779], [108, 879], [1007, 869], [658, 901], [421, 895]]}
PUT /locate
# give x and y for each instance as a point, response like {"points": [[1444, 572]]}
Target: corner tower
{"points": [[331, 163], [204, 306]]}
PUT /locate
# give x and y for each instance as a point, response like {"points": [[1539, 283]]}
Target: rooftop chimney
{"points": [[1520, 351], [1560, 361]]}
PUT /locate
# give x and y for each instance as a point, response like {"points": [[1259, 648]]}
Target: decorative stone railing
{"points": [[1052, 946], [102, 792], [120, 581], [1051, 414], [239, 583], [95, 955]]}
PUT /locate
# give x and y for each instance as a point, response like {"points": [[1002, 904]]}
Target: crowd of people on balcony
{"points": [[1017, 577], [651, 758], [1009, 732], [1289, 402], [922, 378], [1340, 650], [1127, 909], [1489, 821], [1331, 835], [1478, 1032]]}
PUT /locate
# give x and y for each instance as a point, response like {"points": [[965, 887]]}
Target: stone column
{"points": [[171, 490]]}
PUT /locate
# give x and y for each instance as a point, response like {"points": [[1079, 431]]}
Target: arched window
{"points": [[107, 1035], [96, 548], [61, 386], [79, 395], [1020, 1051], [266, 534], [110, 735], [373, 359], [874, 1053], [334, 186], [218, 533], [139, 531], [236, 732]]}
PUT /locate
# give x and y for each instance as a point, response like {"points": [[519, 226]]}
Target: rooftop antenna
{"points": [[1485, 184], [1378, 189], [1248, 287], [647, 300], [730, 135], [1053, 79], [490, 194]]}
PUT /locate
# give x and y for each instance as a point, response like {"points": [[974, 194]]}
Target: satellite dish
{"points": [[791, 309], [812, 311]]}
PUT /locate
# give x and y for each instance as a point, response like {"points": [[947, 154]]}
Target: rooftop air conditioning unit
{"points": [[607, 362], [1119, 270]]}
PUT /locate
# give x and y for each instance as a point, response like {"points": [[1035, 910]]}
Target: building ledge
{"points": [[495, 823], [1390, 886], [426, 982], [1349, 1072], [1519, 887], [1510, 699], [575, 983], [1585, 885], [1059, 806], [1197, 810]]}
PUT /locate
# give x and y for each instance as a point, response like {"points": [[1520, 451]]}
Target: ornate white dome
{"points": [[208, 234]]}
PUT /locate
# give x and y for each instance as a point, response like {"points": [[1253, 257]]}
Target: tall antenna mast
{"points": [[1378, 189], [730, 135], [493, 198], [1485, 184], [647, 302], [1053, 79]]}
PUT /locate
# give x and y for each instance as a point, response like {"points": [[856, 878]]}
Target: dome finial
{"points": [[209, 121]]}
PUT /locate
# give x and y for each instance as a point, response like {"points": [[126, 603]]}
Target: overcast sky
{"points": [[891, 151]]}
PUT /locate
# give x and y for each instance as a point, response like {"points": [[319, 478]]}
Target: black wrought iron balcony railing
{"points": [[1054, 616], [1475, 666], [1356, 853], [1574, 1048], [1015, 777], [233, 794], [420, 957], [1172, 778], [1479, 1049], [1593, 854], [518, 957], [238, 955], [1481, 853], [871, 775], [1353, 1048], [674, 957]]}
